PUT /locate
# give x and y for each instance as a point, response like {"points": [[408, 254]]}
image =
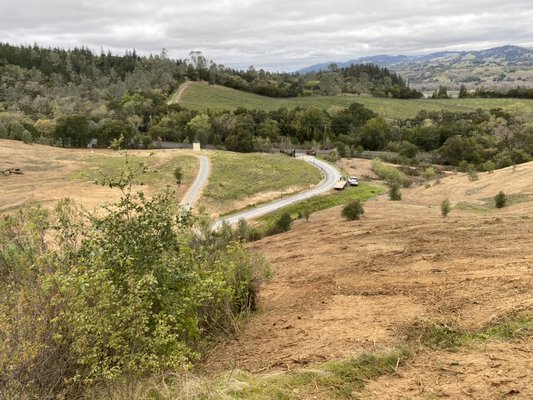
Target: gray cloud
{"points": [[272, 34]]}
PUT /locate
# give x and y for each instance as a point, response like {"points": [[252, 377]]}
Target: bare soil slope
{"points": [[341, 288]]}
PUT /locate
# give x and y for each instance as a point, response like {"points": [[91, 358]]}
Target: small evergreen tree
{"points": [[27, 137]]}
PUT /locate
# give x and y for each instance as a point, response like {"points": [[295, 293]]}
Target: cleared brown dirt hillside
{"points": [[341, 288]]}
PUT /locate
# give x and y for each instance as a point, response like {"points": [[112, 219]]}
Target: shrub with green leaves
{"points": [[282, 224], [4, 134], [394, 192], [471, 172], [390, 174], [27, 137], [500, 200], [92, 298], [353, 210], [445, 207], [489, 167]]}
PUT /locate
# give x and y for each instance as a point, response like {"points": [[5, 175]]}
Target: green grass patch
{"points": [[475, 208], [201, 97], [443, 336], [489, 205], [516, 199], [331, 380], [363, 192], [237, 176], [159, 174]]}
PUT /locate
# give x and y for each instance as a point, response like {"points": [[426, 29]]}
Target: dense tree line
{"points": [[482, 93]]}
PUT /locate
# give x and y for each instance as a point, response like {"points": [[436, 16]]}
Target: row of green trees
{"points": [[496, 137], [482, 93]]}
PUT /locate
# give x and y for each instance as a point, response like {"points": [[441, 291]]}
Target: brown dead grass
{"points": [[341, 288]]}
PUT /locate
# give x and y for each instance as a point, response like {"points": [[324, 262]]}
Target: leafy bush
{"points": [[430, 172], [471, 172], [500, 200], [489, 167], [4, 134], [245, 232], [91, 298], [282, 224], [445, 207], [394, 192], [389, 174], [353, 210], [331, 157], [408, 150], [305, 214], [27, 137]]}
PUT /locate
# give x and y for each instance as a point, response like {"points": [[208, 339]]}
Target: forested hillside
{"points": [[69, 98]]}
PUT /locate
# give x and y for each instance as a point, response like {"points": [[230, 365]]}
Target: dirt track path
{"points": [[179, 93]]}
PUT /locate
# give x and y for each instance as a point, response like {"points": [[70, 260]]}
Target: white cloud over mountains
{"points": [[282, 35]]}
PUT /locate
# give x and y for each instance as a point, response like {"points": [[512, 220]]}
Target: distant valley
{"points": [[502, 67]]}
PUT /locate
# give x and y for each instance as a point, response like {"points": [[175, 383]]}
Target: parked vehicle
{"points": [[341, 184], [353, 181]]}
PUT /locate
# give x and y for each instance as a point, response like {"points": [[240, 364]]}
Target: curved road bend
{"points": [[201, 179], [331, 176]]}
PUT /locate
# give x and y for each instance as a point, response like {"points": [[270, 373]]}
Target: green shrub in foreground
{"points": [[89, 299]]}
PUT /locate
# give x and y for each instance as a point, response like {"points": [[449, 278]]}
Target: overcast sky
{"points": [[269, 34]]}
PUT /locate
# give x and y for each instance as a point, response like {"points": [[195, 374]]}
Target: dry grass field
{"points": [[52, 173], [343, 288]]}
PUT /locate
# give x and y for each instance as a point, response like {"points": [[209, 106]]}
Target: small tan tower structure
{"points": [[196, 146]]}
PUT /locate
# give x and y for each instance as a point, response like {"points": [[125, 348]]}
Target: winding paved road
{"points": [[201, 180], [331, 175]]}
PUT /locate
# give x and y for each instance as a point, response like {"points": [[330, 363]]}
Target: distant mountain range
{"points": [[497, 67]]}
